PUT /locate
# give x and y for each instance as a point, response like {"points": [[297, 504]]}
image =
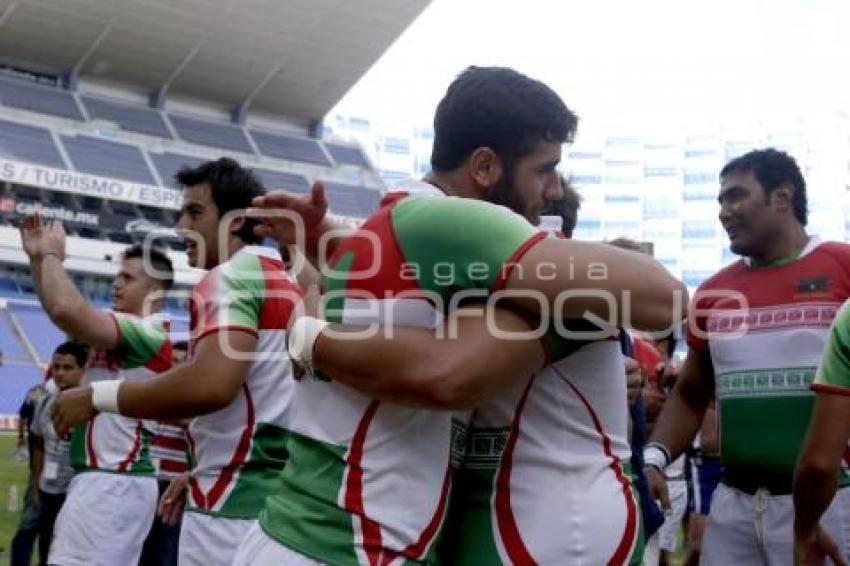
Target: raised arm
{"points": [[206, 384], [44, 244], [416, 367]]}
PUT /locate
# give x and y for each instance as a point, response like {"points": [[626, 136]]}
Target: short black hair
{"points": [[79, 350], [499, 108], [164, 270], [181, 345], [771, 169], [232, 187]]}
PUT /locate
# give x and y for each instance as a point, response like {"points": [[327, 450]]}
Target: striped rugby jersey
{"points": [[113, 442], [765, 351], [368, 481], [237, 452]]}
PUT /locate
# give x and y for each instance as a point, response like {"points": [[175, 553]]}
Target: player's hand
{"points": [[72, 407], [310, 208], [40, 238], [173, 501], [813, 549], [657, 484]]}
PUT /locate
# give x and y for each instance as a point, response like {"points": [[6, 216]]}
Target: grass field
{"points": [[13, 478]]}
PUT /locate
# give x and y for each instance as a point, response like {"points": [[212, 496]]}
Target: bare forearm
{"points": [[678, 424], [399, 369], [176, 394], [56, 291], [814, 488], [37, 460]]}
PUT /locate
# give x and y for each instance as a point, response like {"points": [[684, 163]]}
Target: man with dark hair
{"points": [[369, 474], [757, 331], [50, 460], [236, 383], [114, 484]]}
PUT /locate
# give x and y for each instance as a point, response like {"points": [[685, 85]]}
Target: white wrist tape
{"points": [[302, 337], [654, 455], [104, 395]]}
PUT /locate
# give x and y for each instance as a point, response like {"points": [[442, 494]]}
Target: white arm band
{"points": [[656, 455], [104, 395], [302, 337]]}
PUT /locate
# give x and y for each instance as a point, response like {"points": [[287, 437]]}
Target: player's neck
{"points": [[452, 183], [785, 249]]}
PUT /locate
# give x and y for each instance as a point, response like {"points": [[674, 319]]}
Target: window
{"points": [[698, 178], [359, 124], [620, 179], [660, 171], [698, 230], [586, 179], [398, 146], [695, 278], [589, 225], [585, 155], [699, 152], [621, 198]]}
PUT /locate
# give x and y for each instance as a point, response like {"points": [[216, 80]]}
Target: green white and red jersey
{"points": [[833, 375], [111, 442], [765, 329], [237, 452], [367, 481]]}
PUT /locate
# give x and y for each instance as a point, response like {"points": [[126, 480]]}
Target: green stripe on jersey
{"points": [[834, 369], [456, 243], [260, 475], [141, 339], [303, 514]]}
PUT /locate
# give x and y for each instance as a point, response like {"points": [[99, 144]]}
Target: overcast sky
{"points": [[624, 63]]}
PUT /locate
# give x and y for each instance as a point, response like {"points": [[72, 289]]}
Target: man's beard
{"points": [[503, 193]]}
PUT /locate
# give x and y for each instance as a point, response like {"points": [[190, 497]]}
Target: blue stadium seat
{"points": [[29, 143], [348, 155], [133, 119], [28, 95], [291, 148], [108, 159], [352, 200], [223, 136], [8, 287], [280, 180], [10, 344], [167, 164], [38, 328], [15, 381]]}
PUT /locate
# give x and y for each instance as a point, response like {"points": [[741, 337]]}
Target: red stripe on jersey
{"points": [[90, 443], [280, 296], [173, 466], [239, 457], [354, 487], [197, 494], [170, 442], [627, 541], [505, 520], [162, 359], [512, 261], [134, 451], [831, 389]]}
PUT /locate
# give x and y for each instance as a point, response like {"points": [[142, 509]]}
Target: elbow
{"points": [[814, 470]]}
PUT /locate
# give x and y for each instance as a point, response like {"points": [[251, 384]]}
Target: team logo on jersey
{"points": [[812, 285]]}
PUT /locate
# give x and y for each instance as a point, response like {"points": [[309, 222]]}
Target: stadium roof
{"points": [[295, 58]]}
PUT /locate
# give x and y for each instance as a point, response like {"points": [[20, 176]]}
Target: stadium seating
{"points": [[202, 132], [351, 200], [291, 148], [347, 155], [130, 118], [10, 345], [35, 324], [29, 143], [28, 95], [15, 380], [108, 159]]}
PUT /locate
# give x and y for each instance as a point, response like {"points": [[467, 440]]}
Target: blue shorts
{"points": [[704, 475]]}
